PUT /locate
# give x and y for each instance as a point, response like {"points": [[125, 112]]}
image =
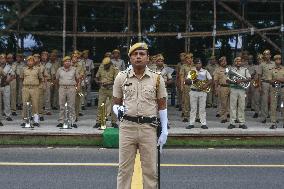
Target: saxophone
{"points": [[28, 119], [192, 75], [103, 116], [68, 121]]}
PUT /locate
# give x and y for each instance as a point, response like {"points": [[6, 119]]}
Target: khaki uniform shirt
{"points": [[55, 66], [152, 66], [67, 76], [276, 73], [211, 68], [79, 69], [89, 66], [31, 76], [139, 95], [185, 68], [47, 68], [164, 73], [119, 63], [220, 76], [265, 68], [20, 68], [107, 76]]}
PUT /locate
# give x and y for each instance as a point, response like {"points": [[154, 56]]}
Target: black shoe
{"points": [[231, 126], [80, 114], [1, 124], [168, 126], [237, 121], [177, 106], [36, 124], [263, 121], [23, 124], [224, 121], [243, 126], [185, 120], [180, 109], [83, 108], [98, 125], [217, 115], [76, 120], [190, 127], [89, 104], [273, 127], [9, 119], [41, 118], [204, 127], [114, 125], [228, 116], [214, 106], [255, 115], [74, 125], [59, 125], [14, 114], [197, 120]]}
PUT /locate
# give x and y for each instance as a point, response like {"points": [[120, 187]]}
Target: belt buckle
{"points": [[140, 119]]}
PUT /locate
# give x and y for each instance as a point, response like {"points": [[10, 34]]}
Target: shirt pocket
{"points": [[129, 92], [149, 92]]}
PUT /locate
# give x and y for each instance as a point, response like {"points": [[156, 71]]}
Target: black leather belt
{"points": [[140, 119], [196, 90], [224, 85]]}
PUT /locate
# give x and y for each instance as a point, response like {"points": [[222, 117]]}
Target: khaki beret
{"points": [[188, 55], [85, 52], [107, 54], [36, 55], [10, 55], [159, 57], [3, 55], [266, 51], [106, 60], [116, 50], [66, 58], [278, 56], [136, 46], [30, 58]]}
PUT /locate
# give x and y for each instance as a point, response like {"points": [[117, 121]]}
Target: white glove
{"points": [[164, 124], [117, 107]]}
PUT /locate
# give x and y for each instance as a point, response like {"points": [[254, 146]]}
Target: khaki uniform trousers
{"points": [[265, 91], [41, 92], [185, 101], [274, 95], [89, 87], [255, 102], [6, 100], [197, 99], [47, 103], [19, 92], [237, 105], [54, 96], [67, 94], [133, 136], [211, 99], [105, 94], [224, 98], [13, 87], [30, 94], [77, 104]]}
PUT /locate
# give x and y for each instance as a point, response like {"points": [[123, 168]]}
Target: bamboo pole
{"points": [[75, 23], [64, 28], [187, 29], [282, 31], [214, 30], [139, 20]]}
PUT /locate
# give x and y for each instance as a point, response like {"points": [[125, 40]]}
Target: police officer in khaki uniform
{"points": [[89, 75], [186, 67], [222, 88], [117, 61], [265, 67], [105, 78], [41, 88], [67, 77], [143, 94], [152, 63], [56, 64], [48, 83], [178, 82], [238, 95], [2, 74], [255, 103], [20, 66], [276, 78], [211, 98], [13, 85], [161, 68], [31, 77]]}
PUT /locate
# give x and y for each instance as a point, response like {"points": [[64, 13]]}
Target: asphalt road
{"points": [[76, 168]]}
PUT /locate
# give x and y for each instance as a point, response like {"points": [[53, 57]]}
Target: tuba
{"points": [[192, 75], [28, 119], [103, 116], [234, 76], [68, 119]]}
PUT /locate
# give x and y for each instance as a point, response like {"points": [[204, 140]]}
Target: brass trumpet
{"points": [[68, 121], [192, 75], [28, 119]]}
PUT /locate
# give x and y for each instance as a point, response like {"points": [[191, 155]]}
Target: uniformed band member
{"points": [[222, 88], [31, 77], [143, 93], [115, 59], [198, 95], [20, 67], [276, 78], [161, 68], [67, 78], [264, 69], [178, 83], [238, 95], [105, 78], [89, 75], [2, 74], [255, 102], [211, 98], [13, 84], [186, 67]]}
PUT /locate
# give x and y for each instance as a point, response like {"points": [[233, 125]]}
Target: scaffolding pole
{"points": [[187, 25], [214, 30], [75, 23], [139, 20], [282, 31], [64, 28]]}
